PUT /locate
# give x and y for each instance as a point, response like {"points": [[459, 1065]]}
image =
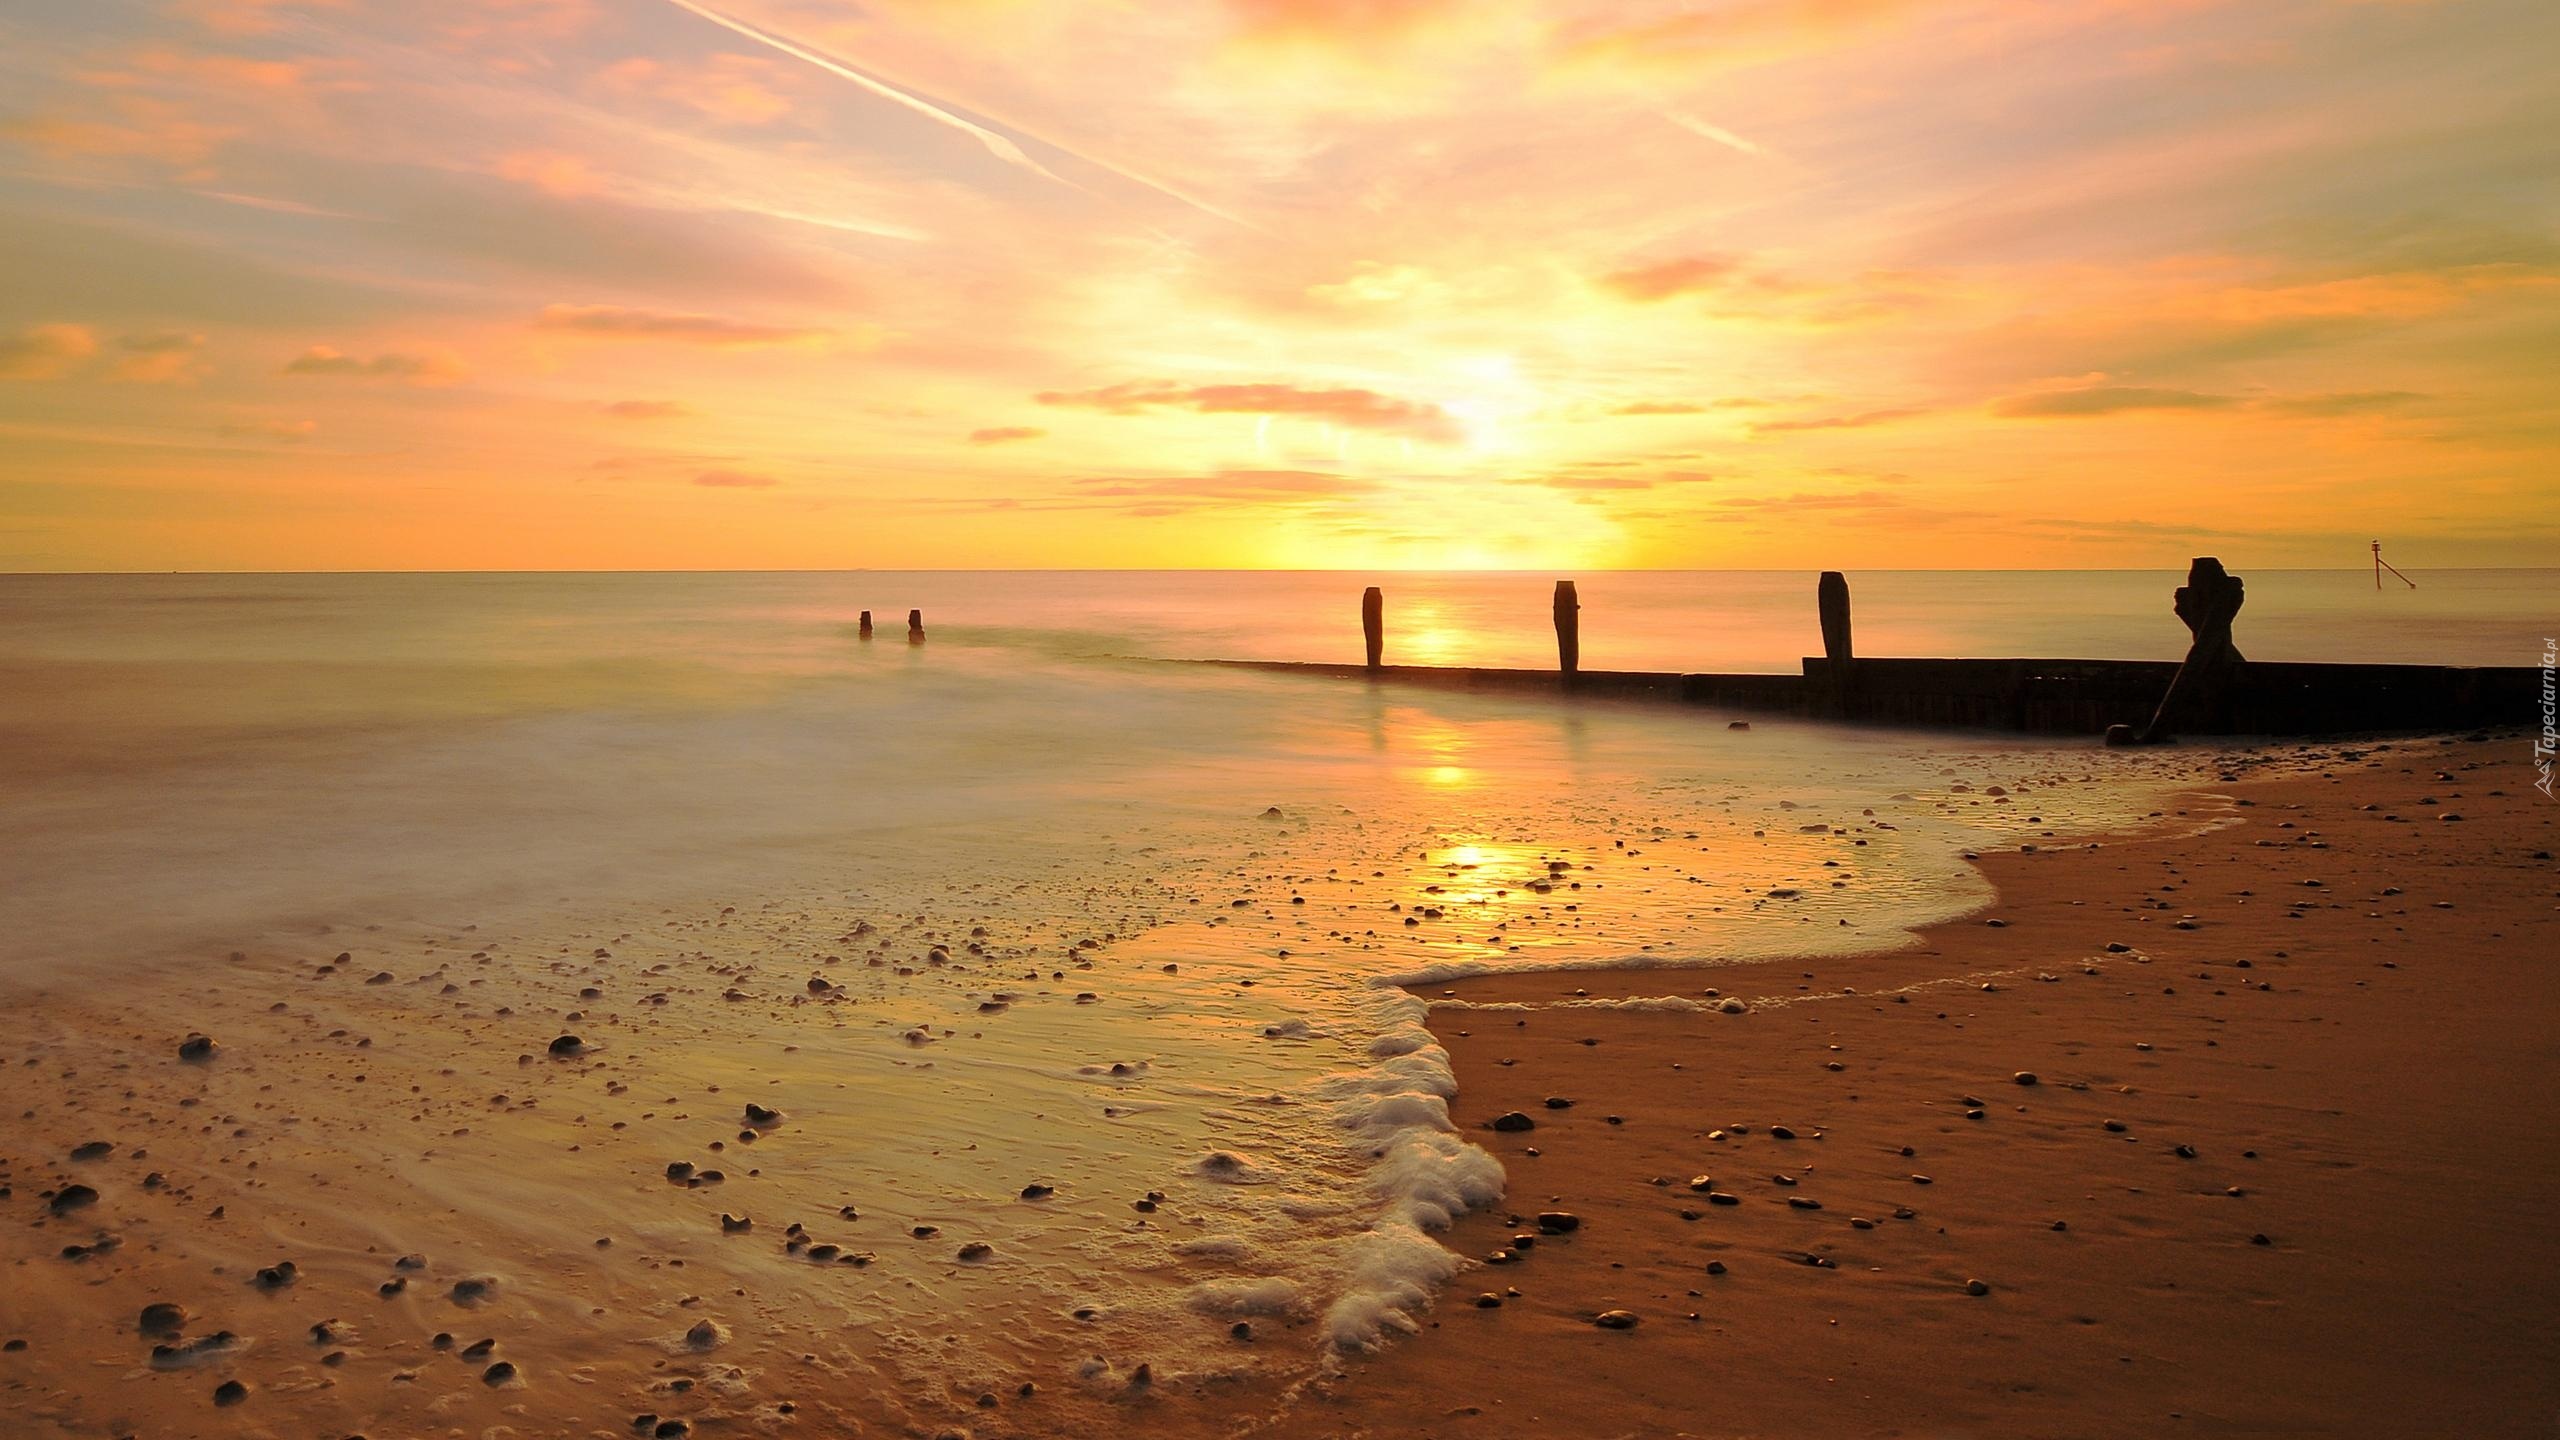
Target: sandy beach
{"points": [[2278, 1171], [2281, 1169]]}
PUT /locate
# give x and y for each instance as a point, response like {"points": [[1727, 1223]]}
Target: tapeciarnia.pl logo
{"points": [[2549, 740]]}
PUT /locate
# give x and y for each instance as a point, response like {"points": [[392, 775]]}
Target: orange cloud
{"points": [[551, 172], [1002, 434], [291, 432], [145, 129], [436, 368], [645, 410], [45, 352], [615, 322], [1673, 277], [1859, 421], [166, 358], [731, 89], [2104, 400], [1352, 408], [734, 480]]}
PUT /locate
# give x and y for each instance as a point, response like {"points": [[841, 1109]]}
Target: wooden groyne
{"points": [[2213, 692]]}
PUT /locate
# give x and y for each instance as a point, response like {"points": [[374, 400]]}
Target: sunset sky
{"points": [[348, 284]]}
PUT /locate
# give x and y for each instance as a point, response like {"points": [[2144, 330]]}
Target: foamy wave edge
{"points": [[1424, 1173]]}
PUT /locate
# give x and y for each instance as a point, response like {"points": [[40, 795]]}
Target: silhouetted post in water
{"points": [[2200, 691], [1831, 596], [915, 627], [1373, 624], [866, 624], [1568, 628]]}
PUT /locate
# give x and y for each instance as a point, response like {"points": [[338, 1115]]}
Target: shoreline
{"points": [[2276, 1170], [542, 1174]]}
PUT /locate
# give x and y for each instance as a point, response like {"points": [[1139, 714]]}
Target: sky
{"points": [[1546, 284]]}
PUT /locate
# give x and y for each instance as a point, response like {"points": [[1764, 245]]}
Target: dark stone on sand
{"points": [[2186, 1152], [1801, 1202], [1488, 1301], [196, 1047], [672, 1429], [1615, 1319], [1719, 1197], [473, 1289], [70, 1198], [1715, 1267], [2024, 1077], [759, 1115], [230, 1392], [734, 1224], [1558, 1222], [278, 1276], [567, 1045], [2260, 1240], [1977, 1287], [162, 1317], [1781, 1132], [1513, 1122], [94, 1150], [2115, 1127], [703, 1336], [498, 1374], [1241, 1330], [479, 1348], [1702, 1183], [1036, 1191], [975, 1251]]}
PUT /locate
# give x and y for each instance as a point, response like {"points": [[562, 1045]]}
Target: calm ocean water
{"points": [[289, 765]]}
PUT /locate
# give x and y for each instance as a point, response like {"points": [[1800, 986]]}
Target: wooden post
{"points": [[2200, 693], [1831, 597], [1568, 628], [866, 624], [915, 627], [1373, 624]]}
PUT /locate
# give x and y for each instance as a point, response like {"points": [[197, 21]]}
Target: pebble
{"points": [[1615, 1319], [230, 1392], [1977, 1287], [567, 1045], [162, 1317], [197, 1047], [1512, 1122], [1558, 1222], [70, 1198], [2024, 1077]]}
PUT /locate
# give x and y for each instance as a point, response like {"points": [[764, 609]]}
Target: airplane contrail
{"points": [[1704, 131], [1001, 147], [997, 145]]}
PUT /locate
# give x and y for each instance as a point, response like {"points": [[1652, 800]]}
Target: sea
{"points": [[1162, 928]]}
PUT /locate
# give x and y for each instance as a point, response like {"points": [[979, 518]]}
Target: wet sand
{"points": [[2287, 1165], [438, 1178]]}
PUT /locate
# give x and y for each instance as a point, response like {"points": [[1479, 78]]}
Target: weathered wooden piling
{"points": [[1831, 598], [866, 624], [915, 627], [1568, 628], [1373, 624], [2199, 695]]}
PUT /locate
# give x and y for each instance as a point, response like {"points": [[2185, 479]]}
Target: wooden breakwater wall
{"points": [[2212, 692], [2051, 697]]}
